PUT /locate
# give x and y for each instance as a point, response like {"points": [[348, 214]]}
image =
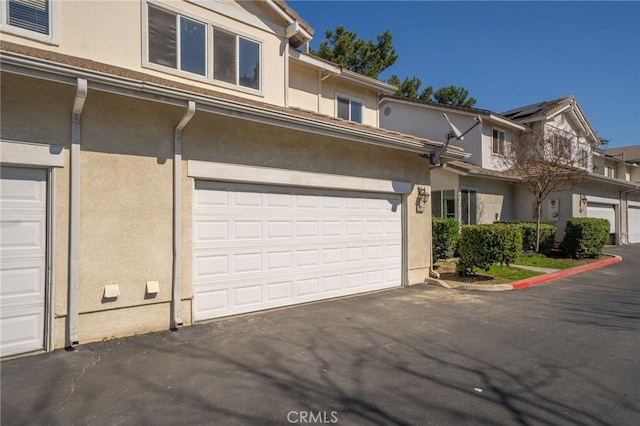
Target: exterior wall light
{"points": [[423, 197]]}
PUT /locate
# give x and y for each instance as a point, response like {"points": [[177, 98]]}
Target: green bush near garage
{"points": [[528, 229], [481, 246], [585, 237], [444, 237]]}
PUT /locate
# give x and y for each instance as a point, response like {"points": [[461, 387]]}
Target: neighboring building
{"points": [[481, 189], [166, 162]]}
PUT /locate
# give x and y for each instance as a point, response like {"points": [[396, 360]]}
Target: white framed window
{"points": [[194, 48], [561, 146], [349, 109], [498, 143], [33, 19], [610, 171]]}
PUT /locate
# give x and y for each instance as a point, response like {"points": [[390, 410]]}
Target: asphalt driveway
{"points": [[565, 352]]}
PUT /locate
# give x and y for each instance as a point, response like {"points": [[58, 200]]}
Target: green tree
{"points": [[410, 88], [454, 95], [364, 57]]}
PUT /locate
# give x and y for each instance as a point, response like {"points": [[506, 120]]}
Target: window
{"points": [[177, 42], [498, 147], [29, 18], [236, 60], [180, 42], [443, 204], [609, 171], [348, 109], [561, 147], [468, 207]]}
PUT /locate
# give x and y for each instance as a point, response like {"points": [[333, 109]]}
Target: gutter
{"points": [[173, 96], [72, 334], [176, 299]]}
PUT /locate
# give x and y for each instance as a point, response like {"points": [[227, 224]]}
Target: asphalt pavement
{"points": [[560, 353]]}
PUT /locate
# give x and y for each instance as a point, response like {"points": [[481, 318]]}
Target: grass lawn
{"points": [[551, 262], [495, 275]]}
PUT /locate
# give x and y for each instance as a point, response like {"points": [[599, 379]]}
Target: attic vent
{"points": [[387, 111]]}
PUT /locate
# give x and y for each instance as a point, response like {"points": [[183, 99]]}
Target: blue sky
{"points": [[509, 53]]}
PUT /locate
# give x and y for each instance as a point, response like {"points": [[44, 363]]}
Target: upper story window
{"points": [[610, 171], [198, 48], [561, 147], [29, 18], [498, 144], [349, 109]]}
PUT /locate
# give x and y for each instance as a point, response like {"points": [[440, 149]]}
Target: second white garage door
{"points": [[634, 224], [258, 247]]}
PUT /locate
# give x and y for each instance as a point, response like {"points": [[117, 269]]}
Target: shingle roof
{"points": [[89, 65], [631, 153]]}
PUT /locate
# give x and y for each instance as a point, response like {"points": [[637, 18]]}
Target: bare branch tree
{"points": [[545, 163]]}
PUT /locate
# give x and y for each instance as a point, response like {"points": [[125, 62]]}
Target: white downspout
{"points": [[72, 334], [176, 299]]}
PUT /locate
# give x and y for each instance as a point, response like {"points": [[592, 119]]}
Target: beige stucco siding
{"points": [[126, 193], [111, 32], [303, 87]]}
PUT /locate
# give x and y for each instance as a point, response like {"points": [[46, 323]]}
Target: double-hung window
{"points": [[498, 145], [29, 18], [349, 109], [199, 48]]}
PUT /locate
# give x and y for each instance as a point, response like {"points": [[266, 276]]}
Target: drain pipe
{"points": [[176, 299], [72, 338]]}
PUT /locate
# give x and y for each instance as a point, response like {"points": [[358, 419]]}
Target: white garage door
{"points": [[603, 211], [23, 212], [258, 247], [634, 224]]}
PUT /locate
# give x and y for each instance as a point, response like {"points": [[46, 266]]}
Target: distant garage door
{"points": [[604, 211], [634, 224], [22, 259], [259, 247]]}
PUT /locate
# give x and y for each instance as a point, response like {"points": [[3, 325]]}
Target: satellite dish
{"points": [[454, 130]]}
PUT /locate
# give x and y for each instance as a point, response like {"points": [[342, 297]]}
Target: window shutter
{"points": [[32, 15]]}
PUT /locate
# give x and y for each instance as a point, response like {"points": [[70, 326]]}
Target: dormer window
{"points": [[349, 109], [198, 49]]}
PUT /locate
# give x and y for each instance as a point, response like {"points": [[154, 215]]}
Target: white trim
{"points": [[351, 99], [602, 200], [31, 154], [51, 38], [633, 203], [50, 264], [271, 176]]}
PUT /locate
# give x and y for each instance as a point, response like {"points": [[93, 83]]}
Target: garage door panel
{"points": [[603, 211], [634, 224], [23, 210], [258, 247], [22, 282]]}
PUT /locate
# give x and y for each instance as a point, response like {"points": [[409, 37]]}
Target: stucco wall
{"points": [[111, 32], [126, 178], [495, 198]]}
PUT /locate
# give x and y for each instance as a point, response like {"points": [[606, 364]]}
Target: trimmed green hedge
{"points": [[585, 237], [528, 229], [445, 237], [481, 246]]}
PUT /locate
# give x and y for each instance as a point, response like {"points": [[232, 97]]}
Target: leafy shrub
{"points": [[481, 246], [445, 237], [528, 229], [585, 237]]}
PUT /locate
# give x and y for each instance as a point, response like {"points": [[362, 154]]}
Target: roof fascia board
{"points": [[612, 181], [314, 62], [149, 91], [371, 82]]}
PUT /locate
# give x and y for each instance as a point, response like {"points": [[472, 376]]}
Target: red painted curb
{"points": [[564, 273]]}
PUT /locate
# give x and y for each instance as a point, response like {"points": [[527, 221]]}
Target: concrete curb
{"points": [[529, 282]]}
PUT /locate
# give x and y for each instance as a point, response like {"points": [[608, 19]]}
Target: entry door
{"points": [[258, 247], [23, 213]]}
